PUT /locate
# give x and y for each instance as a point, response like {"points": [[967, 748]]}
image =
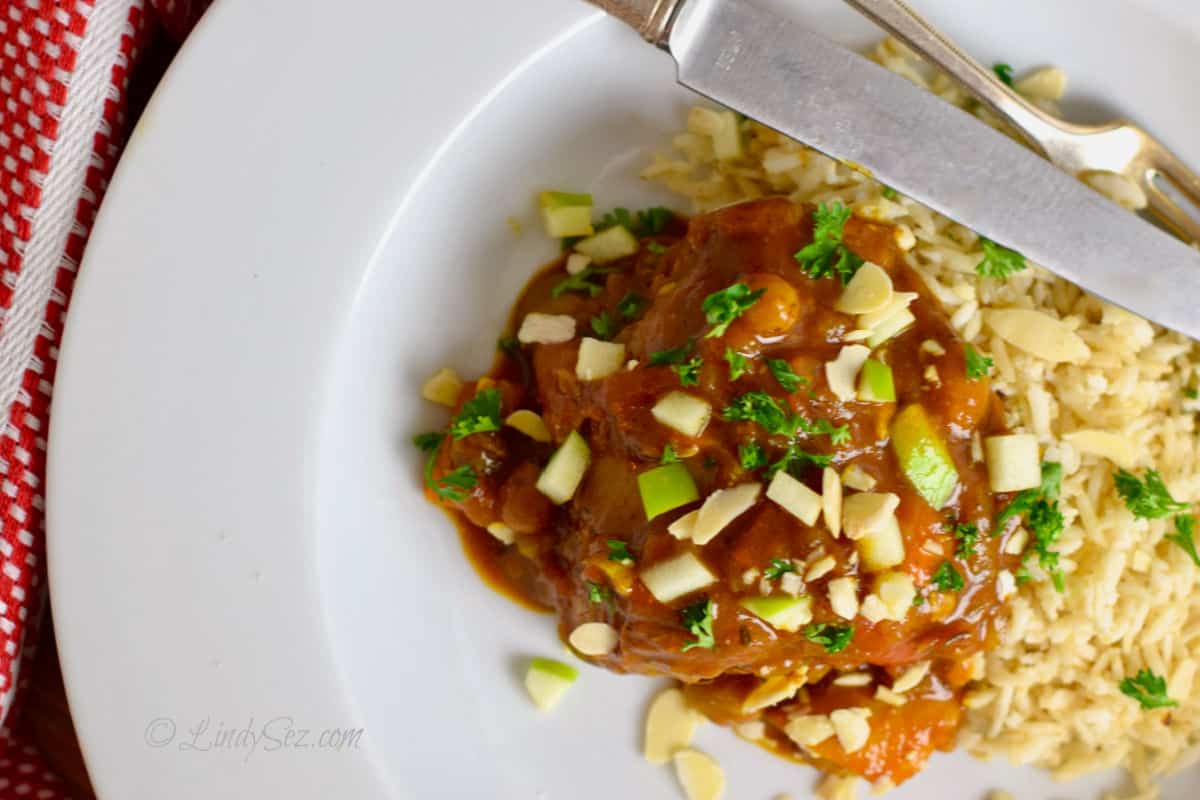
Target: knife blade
{"points": [[789, 78]]}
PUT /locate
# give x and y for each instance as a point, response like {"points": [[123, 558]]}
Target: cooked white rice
{"points": [[1050, 695]]}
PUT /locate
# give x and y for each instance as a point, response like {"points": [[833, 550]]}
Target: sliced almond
{"points": [[594, 638], [891, 327], [1039, 334], [851, 728], [869, 290], [843, 597], [820, 568], [795, 498], [886, 695], [699, 775], [755, 730], [853, 679], [858, 335], [1113, 446], [670, 725], [831, 500], [529, 423], [899, 302], [791, 584], [867, 512], [539, 328], [598, 359], [771, 691], [911, 677], [808, 730], [443, 387], [837, 787], [721, 508], [854, 477], [502, 532], [1016, 543], [682, 528], [933, 347], [842, 372], [679, 576]]}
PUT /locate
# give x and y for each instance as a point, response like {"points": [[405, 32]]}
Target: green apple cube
{"points": [[565, 470], [667, 487], [547, 680], [923, 456], [785, 613], [565, 214], [875, 383], [608, 245]]}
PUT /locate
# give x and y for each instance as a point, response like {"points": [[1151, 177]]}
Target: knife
{"points": [[777, 72]]}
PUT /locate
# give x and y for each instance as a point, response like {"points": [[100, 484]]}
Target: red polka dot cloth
{"points": [[64, 80]]}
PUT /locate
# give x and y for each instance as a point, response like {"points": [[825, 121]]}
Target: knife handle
{"points": [[650, 18]]}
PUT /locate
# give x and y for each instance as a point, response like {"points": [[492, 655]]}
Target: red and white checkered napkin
{"points": [[64, 74]]}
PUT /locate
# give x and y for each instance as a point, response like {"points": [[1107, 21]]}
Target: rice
{"points": [[1050, 695]]}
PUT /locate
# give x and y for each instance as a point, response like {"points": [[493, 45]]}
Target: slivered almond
{"points": [[851, 728], [831, 500], [723, 507], [502, 532], [854, 477], [933, 347], [1016, 542], [820, 568], [808, 730], [886, 695], [670, 725], [867, 512], [842, 372], [1038, 333], [699, 775], [682, 528], [442, 387], [869, 290], [843, 597], [911, 678], [771, 691], [795, 498], [853, 679]]}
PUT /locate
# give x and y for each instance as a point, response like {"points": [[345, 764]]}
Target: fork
{"points": [[1119, 147]]}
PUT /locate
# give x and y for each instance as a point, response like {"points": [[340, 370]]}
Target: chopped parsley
{"points": [[967, 536], [648, 222], [603, 325], [598, 594], [698, 619], [1184, 536], [1004, 72], [669, 456], [977, 366], [723, 307], [834, 638], [1148, 689], [777, 568], [511, 345], [480, 414], [452, 486], [657, 248], [738, 363], [998, 261], [618, 551], [751, 456], [1044, 521], [763, 409], [782, 371], [689, 371], [826, 256], [580, 282], [709, 462], [631, 305], [1191, 394], [675, 355], [889, 193], [794, 459], [1147, 498], [947, 578], [838, 434]]}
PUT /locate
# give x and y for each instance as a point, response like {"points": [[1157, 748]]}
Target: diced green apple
{"points": [[608, 245], [547, 680], [682, 575], [875, 383], [565, 470], [666, 487], [1013, 463], [565, 214], [785, 613], [923, 455]]}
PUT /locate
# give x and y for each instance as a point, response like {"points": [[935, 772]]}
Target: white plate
{"points": [[310, 217]]}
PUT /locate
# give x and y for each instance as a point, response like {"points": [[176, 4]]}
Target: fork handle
{"points": [[650, 18], [901, 21]]}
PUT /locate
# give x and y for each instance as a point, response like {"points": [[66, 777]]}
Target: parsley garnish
{"points": [[838, 434], [698, 619], [603, 325], [1191, 394], [675, 355], [834, 638], [480, 414], [751, 456], [656, 248], [723, 307], [689, 372], [1148, 498], [967, 535], [709, 462], [453, 485], [998, 261], [782, 371], [947, 578], [760, 407], [1184, 536], [598, 594], [631, 305], [1044, 520], [738, 363], [826, 256], [649, 222], [1004, 72], [1148, 689], [511, 345], [619, 551], [580, 282], [777, 568], [977, 366], [669, 456], [794, 459], [889, 193]]}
